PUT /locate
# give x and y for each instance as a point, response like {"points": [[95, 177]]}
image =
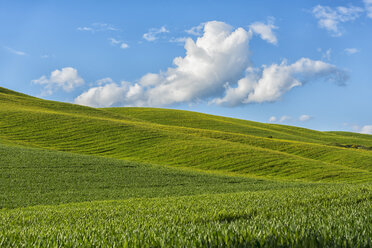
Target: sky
{"points": [[303, 63]]}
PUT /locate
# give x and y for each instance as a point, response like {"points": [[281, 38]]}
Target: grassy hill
{"points": [[142, 177], [186, 139], [33, 176]]}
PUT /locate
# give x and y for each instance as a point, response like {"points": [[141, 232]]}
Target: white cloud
{"points": [[114, 41], [16, 52], [219, 56], [197, 30], [330, 18], [119, 43], [106, 95], [272, 119], [67, 79], [153, 33], [265, 31], [368, 6], [366, 129], [351, 51], [285, 118], [305, 118], [124, 45], [270, 83], [178, 40], [98, 27], [85, 29], [327, 54], [104, 81], [216, 68]]}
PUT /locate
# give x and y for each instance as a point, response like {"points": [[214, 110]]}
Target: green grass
{"points": [[30, 176], [330, 216], [142, 177]]}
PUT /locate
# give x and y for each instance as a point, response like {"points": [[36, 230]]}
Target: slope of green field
{"points": [[210, 122], [31, 176], [186, 139], [74, 176]]}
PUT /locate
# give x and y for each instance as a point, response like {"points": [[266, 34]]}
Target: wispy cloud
{"points": [[351, 51], [286, 118], [85, 29], [304, 118], [331, 18], [197, 30], [119, 43], [16, 52], [153, 33], [180, 40], [368, 6], [273, 119], [98, 27], [327, 54], [114, 41]]}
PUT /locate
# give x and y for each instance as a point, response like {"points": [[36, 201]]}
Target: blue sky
{"points": [[303, 63]]}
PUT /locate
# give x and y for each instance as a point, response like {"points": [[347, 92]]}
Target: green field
{"points": [[77, 176]]}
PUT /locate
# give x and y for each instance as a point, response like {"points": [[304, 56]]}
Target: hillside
{"points": [[33, 176], [186, 139], [74, 176]]}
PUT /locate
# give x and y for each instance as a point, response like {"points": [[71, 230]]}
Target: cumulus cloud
{"points": [[304, 118], [368, 6], [153, 33], [265, 31], [351, 51], [219, 56], [330, 18], [271, 82], [216, 69], [66, 79], [108, 94]]}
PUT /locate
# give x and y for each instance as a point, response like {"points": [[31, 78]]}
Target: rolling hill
{"points": [[74, 176], [186, 140]]}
